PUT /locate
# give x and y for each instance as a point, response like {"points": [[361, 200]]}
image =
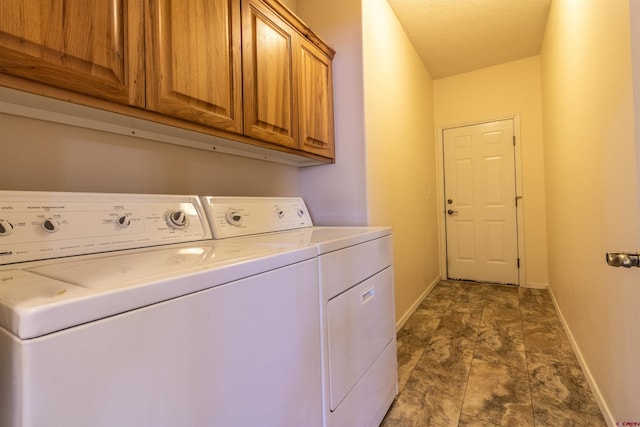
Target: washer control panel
{"points": [[42, 225], [242, 216]]}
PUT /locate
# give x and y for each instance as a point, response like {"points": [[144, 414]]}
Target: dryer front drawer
{"points": [[360, 325], [340, 270]]}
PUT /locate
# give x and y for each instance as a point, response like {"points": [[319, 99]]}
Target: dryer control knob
{"points": [[177, 219], [124, 221], [6, 228], [50, 225], [234, 218]]}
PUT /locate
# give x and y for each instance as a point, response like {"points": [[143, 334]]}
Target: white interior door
{"points": [[480, 203]]}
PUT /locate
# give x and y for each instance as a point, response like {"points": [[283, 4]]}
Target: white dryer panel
{"points": [[241, 216], [354, 348], [340, 270], [358, 321], [329, 239], [368, 402], [325, 239]]}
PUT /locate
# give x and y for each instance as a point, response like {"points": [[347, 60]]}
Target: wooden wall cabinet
{"points": [[315, 101], [269, 71], [93, 47], [288, 90], [194, 61], [246, 70]]}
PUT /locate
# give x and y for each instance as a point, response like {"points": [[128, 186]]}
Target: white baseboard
{"points": [[606, 413], [534, 285], [400, 323]]}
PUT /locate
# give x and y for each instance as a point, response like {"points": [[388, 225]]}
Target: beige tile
{"points": [[434, 393], [444, 289], [453, 353], [408, 356], [433, 307], [503, 296], [551, 416], [498, 394], [501, 345], [454, 324], [419, 329], [514, 415], [499, 317], [485, 355], [500, 338], [536, 313], [558, 381], [546, 338], [534, 296]]}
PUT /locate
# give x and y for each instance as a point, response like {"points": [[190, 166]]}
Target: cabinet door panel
{"points": [[94, 47], [316, 102], [193, 68], [268, 76]]}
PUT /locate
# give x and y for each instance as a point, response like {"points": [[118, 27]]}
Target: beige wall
{"points": [[499, 92], [384, 171], [400, 154], [337, 193], [44, 156], [592, 195]]}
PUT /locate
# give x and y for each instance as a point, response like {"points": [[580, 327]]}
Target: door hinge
{"points": [[514, 140], [518, 262]]}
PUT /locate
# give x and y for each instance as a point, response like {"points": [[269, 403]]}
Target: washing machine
{"points": [[355, 273], [119, 310]]}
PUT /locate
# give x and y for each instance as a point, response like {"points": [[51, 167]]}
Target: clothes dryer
{"points": [[359, 358]]}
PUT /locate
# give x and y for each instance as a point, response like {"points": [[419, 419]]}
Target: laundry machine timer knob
{"points": [[6, 228], [177, 219], [234, 218], [124, 221], [50, 225]]}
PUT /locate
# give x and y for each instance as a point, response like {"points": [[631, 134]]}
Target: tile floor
{"points": [[487, 355]]}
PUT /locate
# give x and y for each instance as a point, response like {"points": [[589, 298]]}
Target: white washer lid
{"points": [[52, 297], [324, 239], [329, 239]]}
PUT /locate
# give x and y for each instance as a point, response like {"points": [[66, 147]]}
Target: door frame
{"points": [[442, 232]]}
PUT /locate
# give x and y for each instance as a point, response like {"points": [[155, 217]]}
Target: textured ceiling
{"points": [[456, 36]]}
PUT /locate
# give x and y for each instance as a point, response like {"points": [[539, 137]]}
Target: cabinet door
{"points": [[93, 47], [269, 70], [315, 101], [193, 61]]}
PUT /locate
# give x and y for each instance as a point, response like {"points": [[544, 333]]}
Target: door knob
{"points": [[623, 259], [452, 212]]}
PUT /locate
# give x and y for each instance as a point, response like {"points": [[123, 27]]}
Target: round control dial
{"points": [[50, 225], [6, 228], [177, 219], [234, 218], [124, 221]]}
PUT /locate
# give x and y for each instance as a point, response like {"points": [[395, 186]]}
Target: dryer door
{"points": [[360, 325]]}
